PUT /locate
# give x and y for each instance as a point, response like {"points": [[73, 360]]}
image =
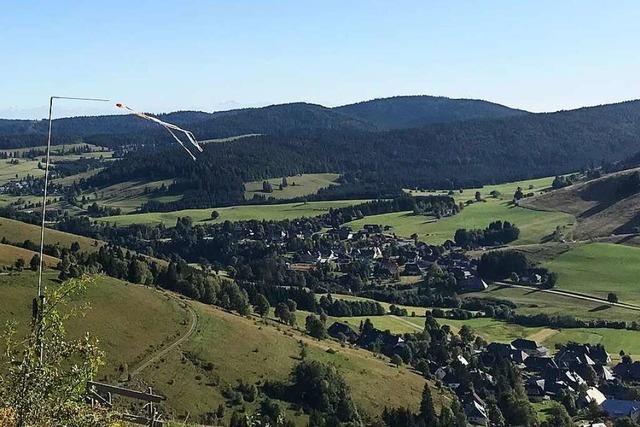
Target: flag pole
{"points": [[41, 287]]}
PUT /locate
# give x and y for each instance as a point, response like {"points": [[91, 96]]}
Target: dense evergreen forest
{"points": [[403, 112], [397, 112]]}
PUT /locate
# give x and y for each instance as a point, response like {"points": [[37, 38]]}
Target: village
{"points": [[577, 373]]}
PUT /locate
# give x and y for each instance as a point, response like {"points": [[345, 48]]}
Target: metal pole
{"points": [[41, 288], [44, 210]]}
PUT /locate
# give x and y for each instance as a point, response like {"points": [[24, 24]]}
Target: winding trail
{"points": [[154, 357]]}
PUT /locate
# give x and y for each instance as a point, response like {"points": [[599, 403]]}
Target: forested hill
{"points": [[96, 125], [120, 130], [402, 112], [114, 130], [442, 155]]}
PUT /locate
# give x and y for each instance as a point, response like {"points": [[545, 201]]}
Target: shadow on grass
{"points": [[600, 308]]}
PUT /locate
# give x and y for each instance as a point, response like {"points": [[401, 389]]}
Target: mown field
{"points": [[599, 268], [489, 329], [234, 213], [299, 186], [534, 302], [506, 190], [18, 232], [534, 226]]}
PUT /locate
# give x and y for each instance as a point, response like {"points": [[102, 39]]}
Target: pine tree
{"points": [[262, 305], [427, 409]]}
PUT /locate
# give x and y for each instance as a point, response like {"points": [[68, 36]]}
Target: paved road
{"points": [[573, 295], [154, 357]]}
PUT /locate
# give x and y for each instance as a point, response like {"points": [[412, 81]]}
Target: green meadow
{"points": [[599, 268], [130, 321], [534, 225], [535, 302], [234, 213], [506, 190], [11, 172], [299, 186], [17, 232]]}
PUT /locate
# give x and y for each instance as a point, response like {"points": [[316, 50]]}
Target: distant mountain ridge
{"points": [[375, 115], [403, 112]]}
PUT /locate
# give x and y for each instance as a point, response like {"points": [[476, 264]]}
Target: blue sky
{"points": [[212, 55]]}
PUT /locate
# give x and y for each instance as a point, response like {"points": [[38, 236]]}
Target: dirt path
{"points": [[193, 317], [573, 295], [400, 319], [543, 335]]}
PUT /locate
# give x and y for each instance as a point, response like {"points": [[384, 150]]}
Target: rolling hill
{"points": [[604, 206], [388, 113], [401, 112], [133, 323]]}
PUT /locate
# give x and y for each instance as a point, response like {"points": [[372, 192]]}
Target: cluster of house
{"points": [[580, 369], [413, 258]]}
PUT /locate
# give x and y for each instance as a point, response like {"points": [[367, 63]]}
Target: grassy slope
{"points": [[534, 225], [234, 213], [305, 184], [133, 321], [507, 189], [600, 211], [70, 179], [9, 254], [17, 232], [534, 302], [129, 195], [600, 268], [242, 348], [25, 167], [129, 320]]}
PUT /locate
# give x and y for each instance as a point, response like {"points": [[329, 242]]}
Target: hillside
{"points": [[130, 321], [604, 206], [133, 322], [17, 232], [9, 254], [119, 130], [402, 112], [269, 351]]}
